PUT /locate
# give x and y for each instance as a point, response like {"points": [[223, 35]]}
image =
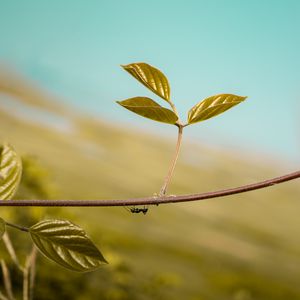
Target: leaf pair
{"points": [[157, 82]]}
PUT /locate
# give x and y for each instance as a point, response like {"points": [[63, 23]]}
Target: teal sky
{"points": [[74, 49]]}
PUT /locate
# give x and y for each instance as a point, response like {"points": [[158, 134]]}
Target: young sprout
{"points": [[157, 82]]}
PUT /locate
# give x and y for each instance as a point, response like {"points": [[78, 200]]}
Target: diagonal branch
{"points": [[157, 200], [7, 280], [2, 297]]}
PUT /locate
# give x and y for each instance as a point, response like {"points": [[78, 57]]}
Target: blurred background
{"points": [[60, 76]]}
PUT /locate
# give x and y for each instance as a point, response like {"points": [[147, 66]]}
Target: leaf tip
{"points": [[126, 67], [120, 102], [105, 261]]}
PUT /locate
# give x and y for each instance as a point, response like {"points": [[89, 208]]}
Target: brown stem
{"points": [[164, 188], [22, 228], [155, 200]]}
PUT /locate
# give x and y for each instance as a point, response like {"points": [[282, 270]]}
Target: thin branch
{"points": [[7, 280], [156, 200], [22, 228], [29, 270], [2, 297], [26, 280], [32, 271], [11, 250]]}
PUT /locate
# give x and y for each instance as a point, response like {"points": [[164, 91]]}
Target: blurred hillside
{"points": [[242, 247]]}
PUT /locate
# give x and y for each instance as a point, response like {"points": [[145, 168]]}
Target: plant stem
{"points": [[7, 280], [173, 108], [17, 227], [32, 271], [2, 297], [150, 200], [29, 274], [11, 250], [26, 280], [164, 188]]}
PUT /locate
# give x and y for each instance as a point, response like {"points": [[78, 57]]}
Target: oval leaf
{"points": [[66, 244], [150, 77], [213, 106], [10, 171], [2, 228], [148, 108]]}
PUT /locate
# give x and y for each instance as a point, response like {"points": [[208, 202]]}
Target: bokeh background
{"points": [[60, 76]]}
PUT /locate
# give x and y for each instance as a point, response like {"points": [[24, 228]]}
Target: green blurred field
{"points": [[241, 247]]}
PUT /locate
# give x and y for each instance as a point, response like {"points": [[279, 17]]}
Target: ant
{"points": [[137, 210]]}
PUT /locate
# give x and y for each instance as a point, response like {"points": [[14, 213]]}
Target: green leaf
{"points": [[148, 108], [66, 244], [2, 228], [10, 171], [213, 106], [150, 77]]}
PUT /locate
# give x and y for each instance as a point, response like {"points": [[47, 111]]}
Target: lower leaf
{"points": [[148, 108], [66, 244]]}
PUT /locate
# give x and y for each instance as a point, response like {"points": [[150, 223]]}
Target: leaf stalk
{"points": [[22, 228], [173, 108]]}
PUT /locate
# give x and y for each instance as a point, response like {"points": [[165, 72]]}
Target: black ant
{"points": [[137, 210]]}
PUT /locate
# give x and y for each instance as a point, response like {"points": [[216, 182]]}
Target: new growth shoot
{"points": [[157, 82]]}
